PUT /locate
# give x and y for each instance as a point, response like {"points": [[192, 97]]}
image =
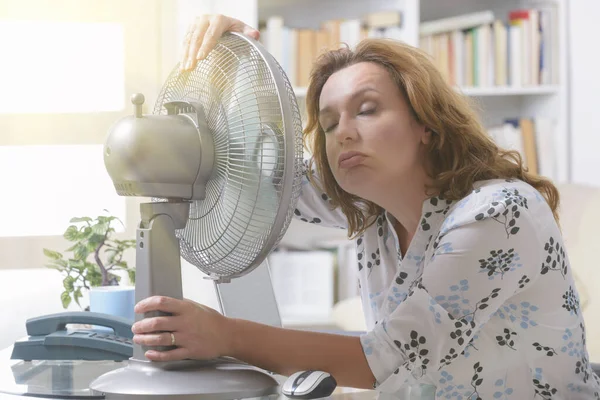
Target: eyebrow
{"points": [[352, 96]]}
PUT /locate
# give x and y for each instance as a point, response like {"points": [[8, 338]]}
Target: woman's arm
{"points": [[286, 351], [203, 333]]}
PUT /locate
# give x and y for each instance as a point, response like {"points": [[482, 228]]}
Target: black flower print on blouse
{"points": [[547, 350], [440, 205], [428, 242], [523, 281], [499, 262], [435, 244], [506, 210], [464, 326], [380, 220], [360, 251], [571, 302], [415, 351], [374, 261], [326, 199], [302, 218], [556, 259], [401, 277], [416, 284], [543, 389], [507, 339], [476, 381]]}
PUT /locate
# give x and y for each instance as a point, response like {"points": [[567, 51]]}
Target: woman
{"points": [[463, 274]]}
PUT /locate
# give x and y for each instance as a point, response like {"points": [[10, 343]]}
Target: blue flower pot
{"points": [[113, 300]]}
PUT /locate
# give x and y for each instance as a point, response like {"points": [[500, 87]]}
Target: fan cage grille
{"points": [[230, 232]]}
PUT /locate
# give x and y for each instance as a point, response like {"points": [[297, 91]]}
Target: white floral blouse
{"points": [[483, 304]]}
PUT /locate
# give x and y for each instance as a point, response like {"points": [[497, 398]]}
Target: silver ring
{"points": [[172, 339]]}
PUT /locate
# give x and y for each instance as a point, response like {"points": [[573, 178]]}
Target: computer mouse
{"points": [[309, 385]]}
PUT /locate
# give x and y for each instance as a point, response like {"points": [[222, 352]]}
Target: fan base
{"points": [[219, 379]]}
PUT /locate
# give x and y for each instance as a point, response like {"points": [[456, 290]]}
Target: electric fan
{"points": [[221, 159]]}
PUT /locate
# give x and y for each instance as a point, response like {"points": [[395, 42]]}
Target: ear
{"points": [[426, 135]]}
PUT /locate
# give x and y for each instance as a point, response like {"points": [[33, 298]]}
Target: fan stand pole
{"points": [[158, 262]]}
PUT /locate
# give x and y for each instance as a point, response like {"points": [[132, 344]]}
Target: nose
{"points": [[346, 130]]}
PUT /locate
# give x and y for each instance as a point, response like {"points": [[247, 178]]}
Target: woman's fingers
{"points": [[253, 33], [195, 41], [154, 339], [160, 303], [179, 353], [155, 324], [218, 25], [204, 34]]}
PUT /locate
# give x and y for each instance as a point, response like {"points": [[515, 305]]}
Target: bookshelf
{"points": [[510, 91]]}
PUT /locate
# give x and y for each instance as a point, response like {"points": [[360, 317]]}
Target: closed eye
{"points": [[330, 128], [367, 112]]}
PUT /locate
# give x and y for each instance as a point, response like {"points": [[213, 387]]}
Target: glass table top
{"points": [[51, 379]]}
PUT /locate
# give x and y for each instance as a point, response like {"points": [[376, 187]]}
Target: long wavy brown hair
{"points": [[460, 151]]}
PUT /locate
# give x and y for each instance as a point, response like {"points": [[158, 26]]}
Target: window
{"points": [[61, 67], [45, 186]]}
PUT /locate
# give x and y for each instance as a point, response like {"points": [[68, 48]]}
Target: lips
{"points": [[350, 159]]}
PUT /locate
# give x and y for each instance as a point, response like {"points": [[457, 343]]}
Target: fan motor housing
{"points": [[156, 156]]}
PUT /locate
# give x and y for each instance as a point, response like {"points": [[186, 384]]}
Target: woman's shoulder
{"points": [[502, 199]]}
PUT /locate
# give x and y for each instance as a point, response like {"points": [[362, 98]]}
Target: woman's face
{"points": [[372, 141]]}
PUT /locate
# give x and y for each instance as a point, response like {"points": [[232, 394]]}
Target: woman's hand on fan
{"points": [[199, 332], [203, 34]]}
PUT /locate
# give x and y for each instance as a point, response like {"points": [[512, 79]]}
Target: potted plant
{"points": [[96, 257]]}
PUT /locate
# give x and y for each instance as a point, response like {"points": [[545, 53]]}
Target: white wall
{"points": [[585, 92]]}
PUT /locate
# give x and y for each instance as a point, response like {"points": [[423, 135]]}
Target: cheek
{"points": [[330, 151], [397, 150]]}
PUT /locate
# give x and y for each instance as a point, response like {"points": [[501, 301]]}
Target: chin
{"points": [[356, 185]]}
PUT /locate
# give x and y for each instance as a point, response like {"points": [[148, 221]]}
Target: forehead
{"points": [[345, 82]]}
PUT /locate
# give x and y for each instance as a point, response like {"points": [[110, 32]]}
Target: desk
{"points": [[73, 377]]}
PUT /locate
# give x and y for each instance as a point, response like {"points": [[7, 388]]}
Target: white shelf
{"points": [[487, 91], [509, 91]]}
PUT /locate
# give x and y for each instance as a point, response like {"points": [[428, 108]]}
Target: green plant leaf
{"points": [[68, 283], [89, 235], [92, 245], [56, 267], [100, 229], [95, 239], [93, 275], [72, 233], [81, 252], [65, 298], [131, 273], [106, 219], [80, 219], [54, 255], [77, 295], [59, 264]]}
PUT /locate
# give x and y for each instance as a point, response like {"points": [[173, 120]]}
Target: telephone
{"points": [[49, 339]]}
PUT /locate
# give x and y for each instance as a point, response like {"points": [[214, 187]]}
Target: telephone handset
{"points": [[49, 339]]}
